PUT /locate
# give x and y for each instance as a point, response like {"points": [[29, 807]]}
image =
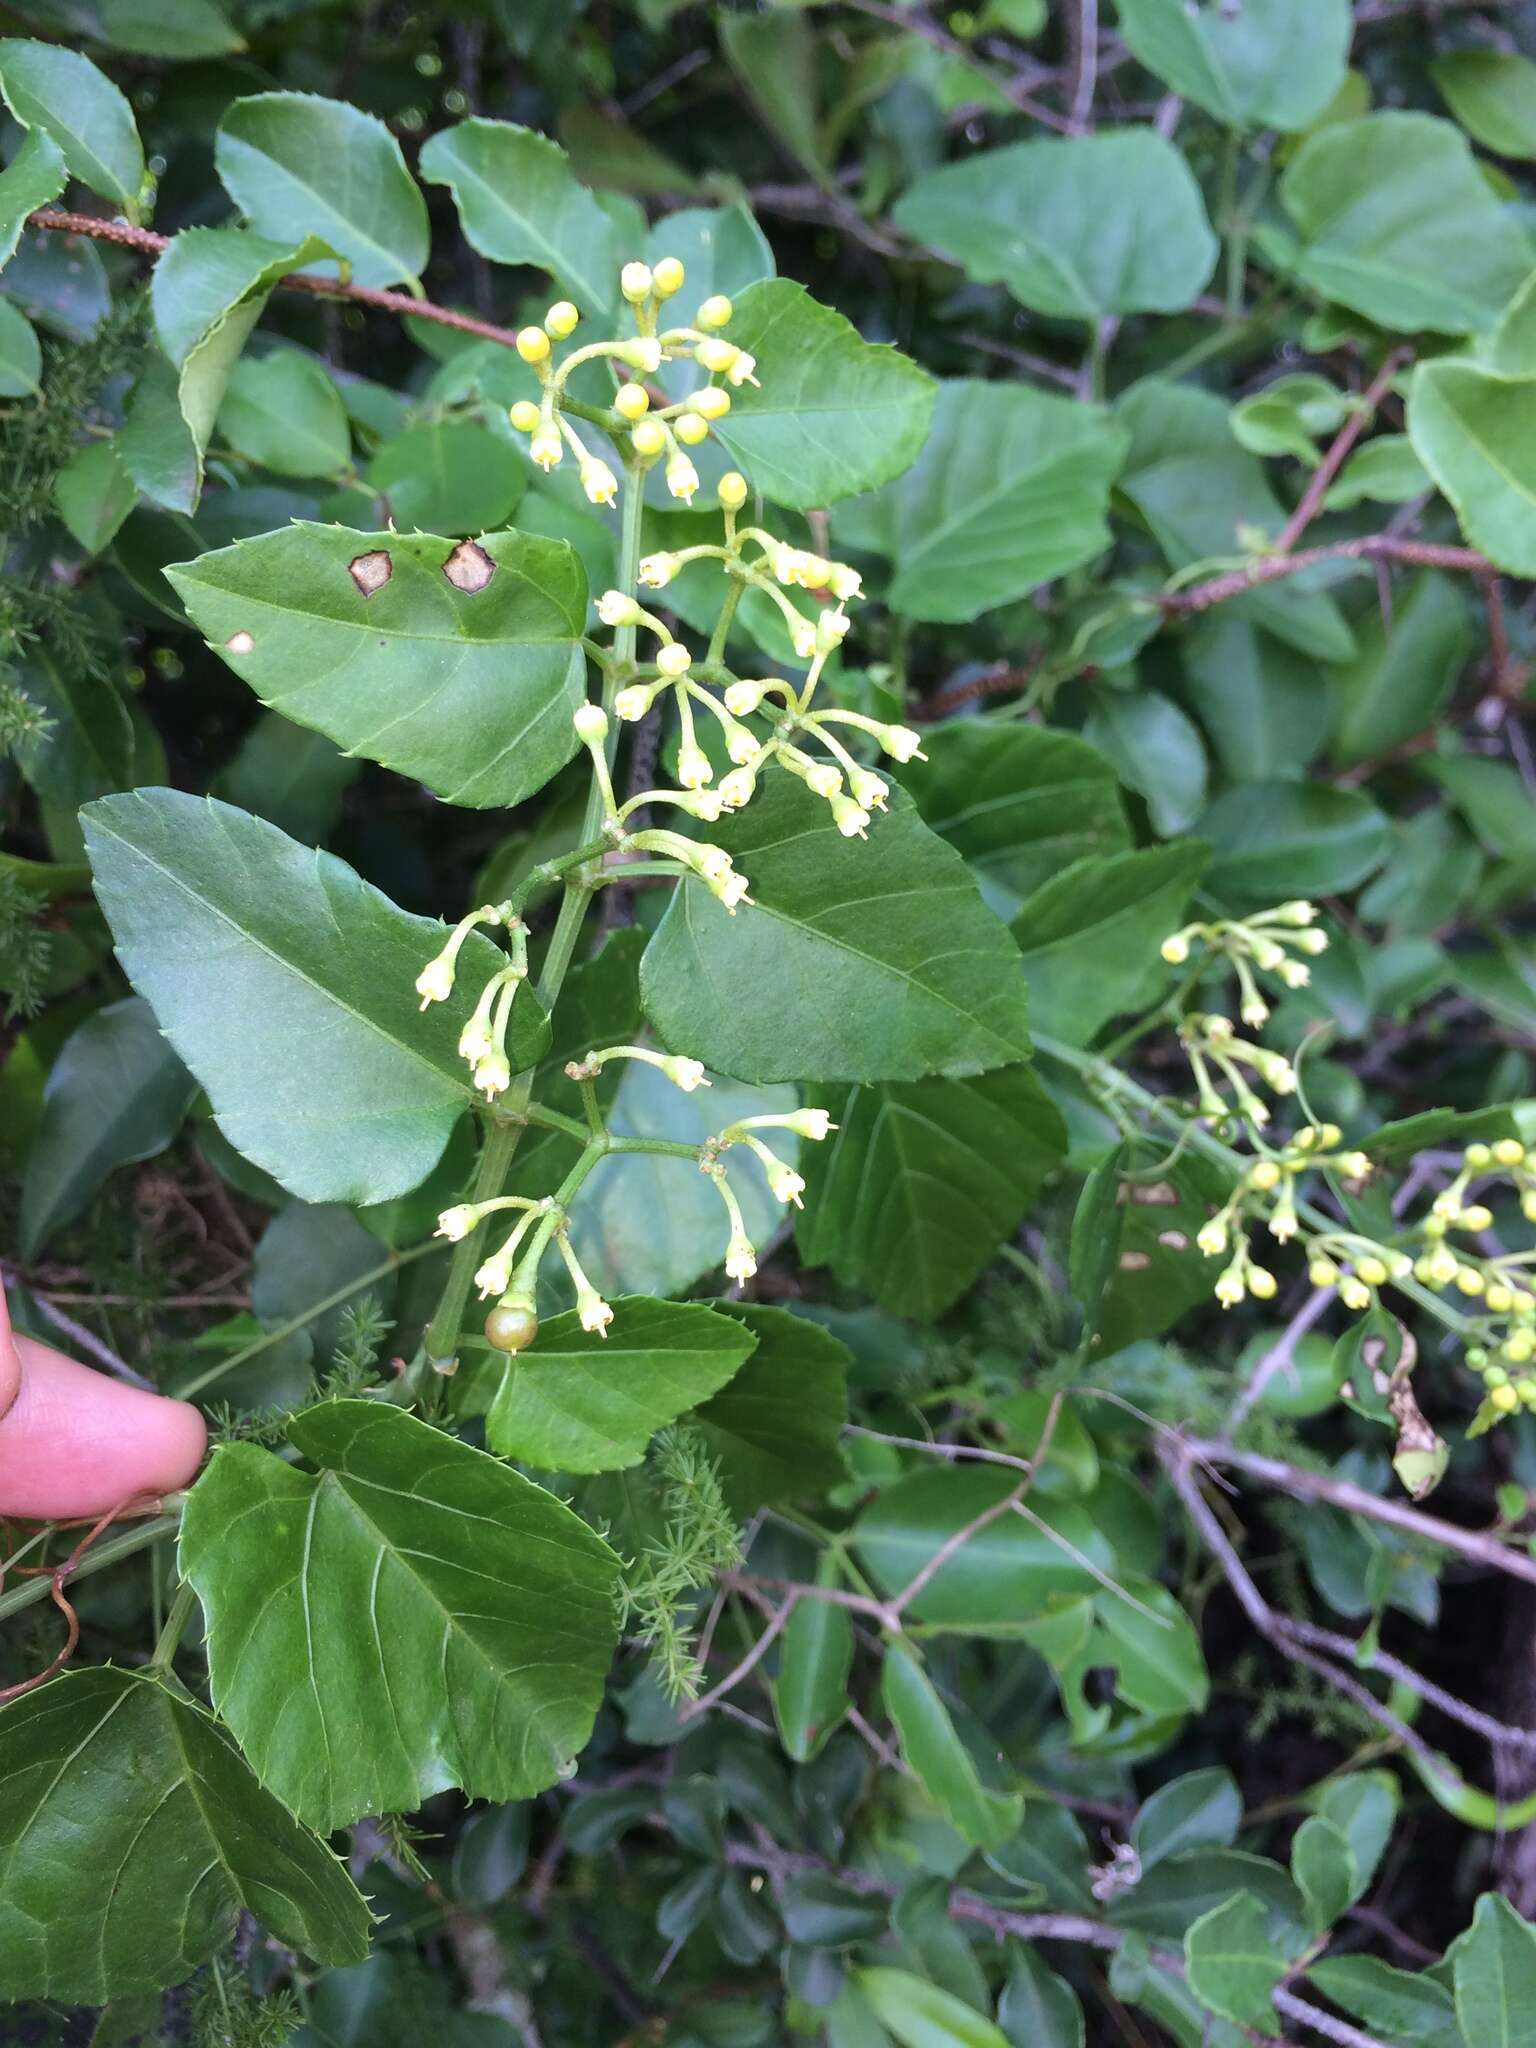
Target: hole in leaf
{"points": [[372, 571], [240, 643], [469, 568]]}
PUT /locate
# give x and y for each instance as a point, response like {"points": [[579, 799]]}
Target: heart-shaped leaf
{"points": [[407, 1616], [132, 1833]]}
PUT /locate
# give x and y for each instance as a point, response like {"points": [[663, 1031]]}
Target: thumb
{"points": [[74, 1443]]}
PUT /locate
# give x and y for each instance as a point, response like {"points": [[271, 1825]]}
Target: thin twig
{"points": [[1003, 1922], [103, 1354], [145, 242], [1372, 547], [1083, 46], [1475, 1544], [1269, 1624], [1317, 484], [920, 24]]}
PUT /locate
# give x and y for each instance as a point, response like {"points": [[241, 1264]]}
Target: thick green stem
{"points": [[175, 1625], [96, 1559], [718, 638], [502, 1142]]}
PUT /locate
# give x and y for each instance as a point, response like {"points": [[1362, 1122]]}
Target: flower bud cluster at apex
{"points": [[652, 431]]}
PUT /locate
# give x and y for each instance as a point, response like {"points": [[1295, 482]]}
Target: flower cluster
{"points": [[1268, 1193], [483, 1041], [511, 1272], [761, 721], [653, 432], [1268, 943]]}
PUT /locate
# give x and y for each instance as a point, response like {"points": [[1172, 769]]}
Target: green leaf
{"points": [[293, 778], [1018, 801], [810, 1690], [208, 293], [519, 202], [1398, 222], [1386, 470], [1078, 228], [1173, 1897], [1036, 2008], [1492, 93], [1475, 432], [1265, 64], [88, 749], [21, 355], [284, 412], [579, 1401], [1048, 1859], [286, 983], [1494, 1972], [408, 1616], [461, 667], [182, 29], [1158, 751], [1090, 937], [1097, 1227], [1232, 1964], [1404, 2005], [834, 413], [157, 447], [298, 165], [34, 177], [1364, 1807], [1159, 1271], [308, 1252], [775, 1428], [777, 59], [116, 1094], [1201, 1810], [912, 1194], [1323, 1865], [1265, 707], [1009, 1571], [1011, 490], [883, 962], [448, 476], [1321, 840], [133, 1834], [77, 107], [935, 1752], [920, 2015], [1401, 679], [93, 494], [1286, 417], [1204, 498]]}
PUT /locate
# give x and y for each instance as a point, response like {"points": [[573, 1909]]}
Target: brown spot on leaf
{"points": [[240, 643], [1154, 1194], [1134, 1262], [1175, 1240], [469, 568], [372, 571]]}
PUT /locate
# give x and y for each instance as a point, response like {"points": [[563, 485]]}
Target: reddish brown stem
{"points": [[1317, 484], [1372, 547], [145, 242]]}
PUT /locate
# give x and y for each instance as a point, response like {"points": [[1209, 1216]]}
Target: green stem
{"points": [[500, 1146], [175, 1625], [717, 639], [317, 1308], [1232, 229], [96, 1559], [666, 1148], [1093, 1068]]}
